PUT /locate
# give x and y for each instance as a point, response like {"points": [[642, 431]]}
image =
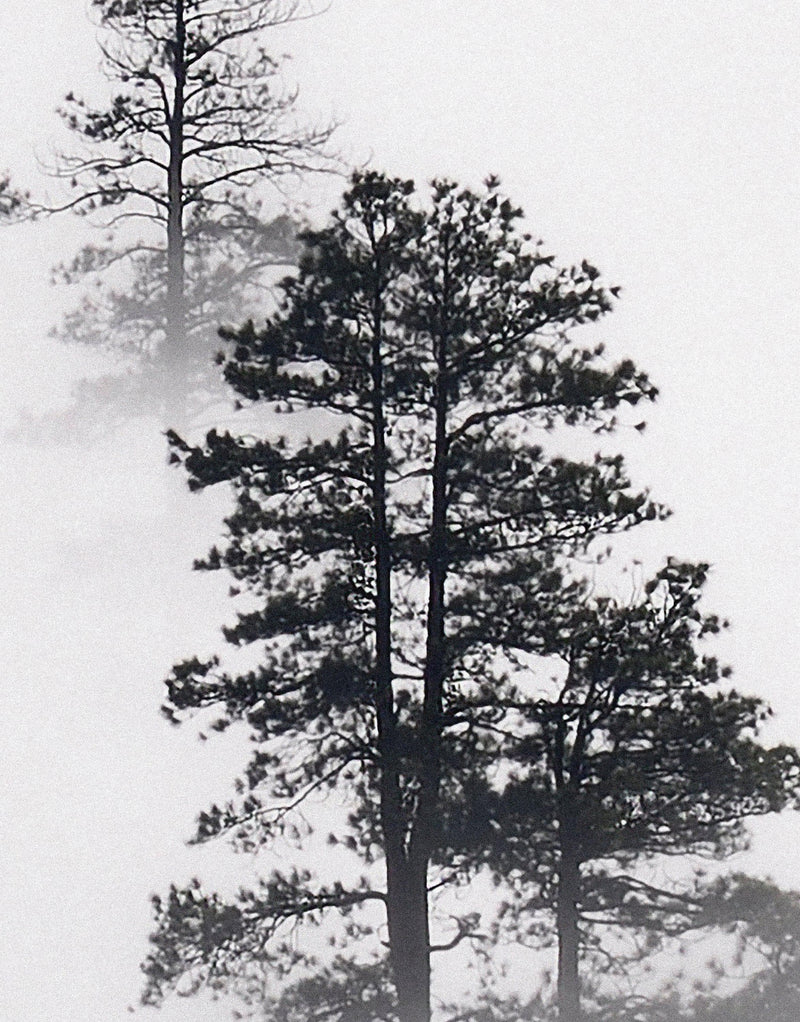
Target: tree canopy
{"points": [[400, 574], [631, 747], [172, 167]]}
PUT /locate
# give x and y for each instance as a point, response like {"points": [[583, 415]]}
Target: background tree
{"points": [[746, 931], [429, 344], [765, 921], [629, 749], [174, 167]]}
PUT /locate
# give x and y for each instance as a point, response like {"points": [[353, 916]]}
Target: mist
{"points": [[660, 143]]}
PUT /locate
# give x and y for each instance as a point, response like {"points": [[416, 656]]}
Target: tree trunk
{"points": [[416, 943], [569, 883], [406, 886], [409, 939], [424, 836], [175, 311]]}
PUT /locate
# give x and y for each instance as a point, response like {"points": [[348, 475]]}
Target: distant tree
{"points": [[747, 931], [765, 920], [341, 989], [430, 343], [173, 169], [629, 748]]}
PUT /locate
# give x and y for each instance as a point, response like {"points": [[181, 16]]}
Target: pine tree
{"points": [[765, 920], [173, 168], [432, 343], [629, 747], [749, 932]]}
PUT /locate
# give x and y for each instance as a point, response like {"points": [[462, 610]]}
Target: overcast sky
{"points": [[659, 140]]}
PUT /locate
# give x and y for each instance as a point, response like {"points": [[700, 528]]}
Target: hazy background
{"points": [[660, 140]]}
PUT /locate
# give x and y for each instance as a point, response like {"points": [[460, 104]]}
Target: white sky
{"points": [[660, 140]]}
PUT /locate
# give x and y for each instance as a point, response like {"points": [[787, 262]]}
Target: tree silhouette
{"points": [[173, 168], [629, 748], [430, 344]]}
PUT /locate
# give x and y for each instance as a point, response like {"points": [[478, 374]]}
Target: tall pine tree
{"points": [[172, 168], [431, 343]]}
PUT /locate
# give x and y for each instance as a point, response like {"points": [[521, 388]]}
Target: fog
{"points": [[659, 141]]}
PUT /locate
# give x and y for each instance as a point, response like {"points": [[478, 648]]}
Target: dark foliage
{"points": [[629, 747], [432, 342], [406, 573], [13, 202]]}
